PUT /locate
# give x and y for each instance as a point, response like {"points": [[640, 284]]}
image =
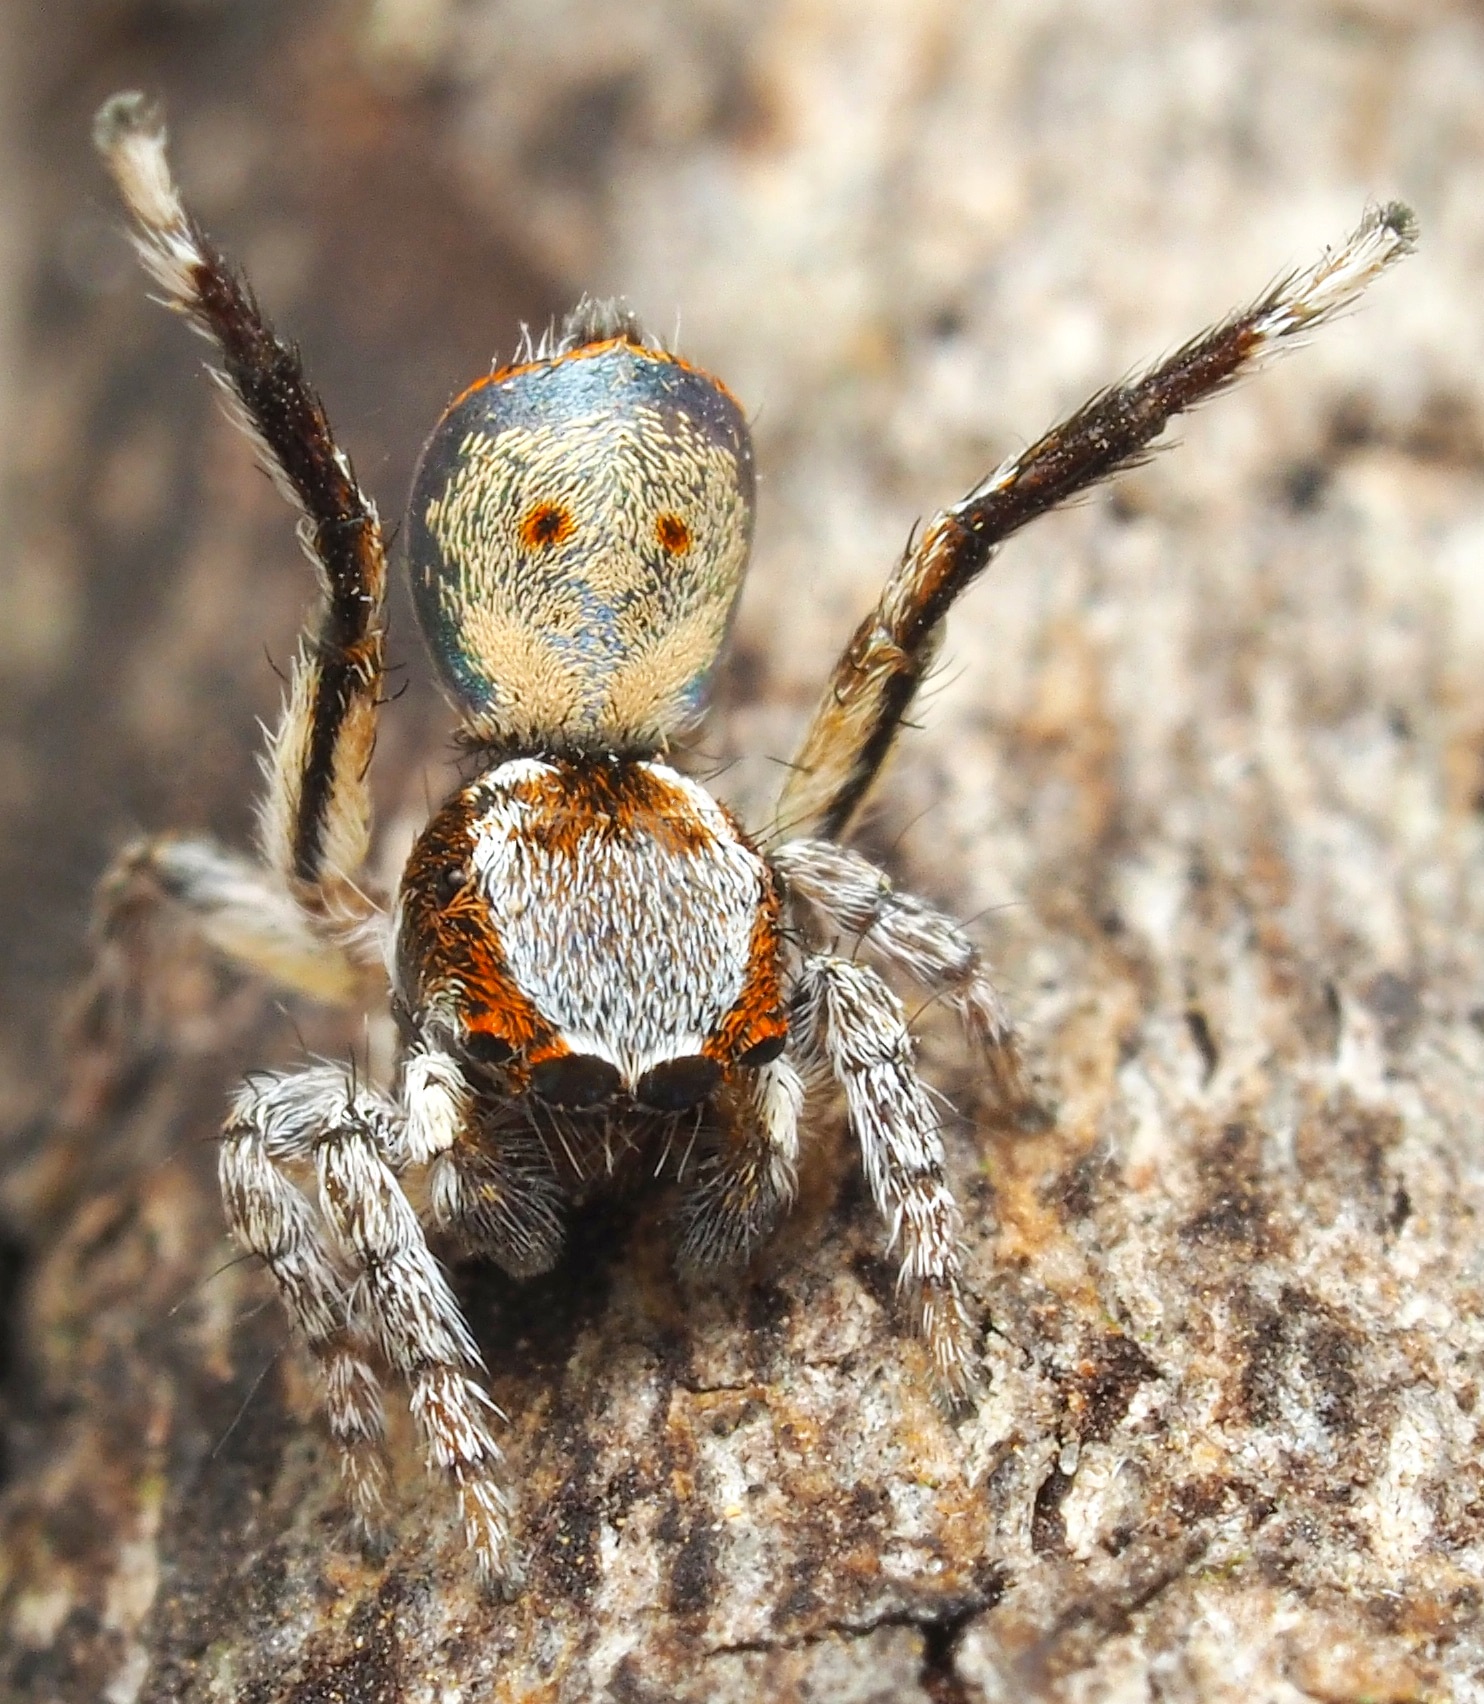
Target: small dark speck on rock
{"points": [[1396, 1005], [1305, 485], [693, 1574], [1048, 1524]]}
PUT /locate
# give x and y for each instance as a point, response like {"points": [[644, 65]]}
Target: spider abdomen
{"points": [[577, 534], [598, 928]]}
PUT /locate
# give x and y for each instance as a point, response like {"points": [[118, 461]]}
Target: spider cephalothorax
{"points": [[587, 953], [664, 974]]}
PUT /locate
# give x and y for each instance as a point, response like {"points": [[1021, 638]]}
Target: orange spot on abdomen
{"points": [[545, 525], [673, 534]]}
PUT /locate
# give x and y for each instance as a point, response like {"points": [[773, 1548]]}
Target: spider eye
{"points": [[451, 880], [678, 1083], [673, 534], [545, 525]]}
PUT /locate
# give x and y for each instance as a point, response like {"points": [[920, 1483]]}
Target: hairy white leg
{"points": [[402, 1299], [747, 1180], [850, 894], [273, 1123], [847, 1019], [398, 1297], [245, 912]]}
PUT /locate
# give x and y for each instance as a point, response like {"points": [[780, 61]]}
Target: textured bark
{"points": [[1205, 760]]}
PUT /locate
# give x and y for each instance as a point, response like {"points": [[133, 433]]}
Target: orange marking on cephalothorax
{"points": [[448, 941], [577, 803], [546, 524], [758, 1015]]}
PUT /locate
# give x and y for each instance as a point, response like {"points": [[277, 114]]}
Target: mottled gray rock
{"points": [[1205, 761]]}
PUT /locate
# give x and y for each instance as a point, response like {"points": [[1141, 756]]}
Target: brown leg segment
{"points": [[315, 818], [891, 651]]}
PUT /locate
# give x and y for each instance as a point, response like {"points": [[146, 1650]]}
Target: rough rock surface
{"points": [[1205, 761]]}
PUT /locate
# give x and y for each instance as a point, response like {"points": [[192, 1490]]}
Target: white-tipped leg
{"points": [[490, 1185], [746, 1181], [891, 652], [315, 815], [850, 894], [848, 1019], [273, 1123]]}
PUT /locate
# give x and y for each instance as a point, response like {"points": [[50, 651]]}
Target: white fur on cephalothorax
{"points": [[632, 950]]}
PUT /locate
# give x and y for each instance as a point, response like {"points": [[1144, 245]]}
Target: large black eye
{"points": [[576, 1080], [678, 1083]]}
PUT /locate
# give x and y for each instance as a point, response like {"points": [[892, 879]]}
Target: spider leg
{"points": [[273, 1124], [398, 1297], [314, 820], [876, 678], [850, 894], [847, 1021], [243, 911], [747, 1180]]}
